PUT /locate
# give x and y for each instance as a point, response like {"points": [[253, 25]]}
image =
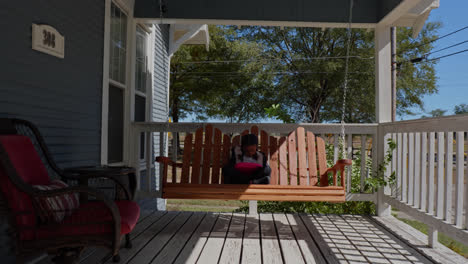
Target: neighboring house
{"points": [[115, 70]]}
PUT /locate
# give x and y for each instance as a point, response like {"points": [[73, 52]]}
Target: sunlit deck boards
{"points": [[198, 237]]}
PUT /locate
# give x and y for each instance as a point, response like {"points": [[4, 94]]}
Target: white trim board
{"points": [[253, 23], [192, 31], [105, 84]]}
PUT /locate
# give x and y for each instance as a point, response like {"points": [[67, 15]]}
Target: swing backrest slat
{"points": [[296, 159]]}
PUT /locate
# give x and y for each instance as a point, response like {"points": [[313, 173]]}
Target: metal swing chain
{"points": [[345, 85]]}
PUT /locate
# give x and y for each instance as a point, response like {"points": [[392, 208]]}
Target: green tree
{"points": [[226, 82], [437, 112], [460, 109], [309, 67]]}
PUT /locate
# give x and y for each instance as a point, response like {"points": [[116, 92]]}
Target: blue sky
{"points": [[452, 72]]}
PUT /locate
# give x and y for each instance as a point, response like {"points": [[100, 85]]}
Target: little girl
{"points": [[247, 164]]}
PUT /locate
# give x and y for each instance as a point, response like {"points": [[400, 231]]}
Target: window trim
{"points": [[125, 7], [149, 89], [117, 84]]}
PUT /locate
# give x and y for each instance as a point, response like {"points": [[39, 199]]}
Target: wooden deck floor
{"points": [[197, 237]]}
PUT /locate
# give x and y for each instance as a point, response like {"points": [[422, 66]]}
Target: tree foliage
{"points": [[299, 70], [437, 112], [225, 82], [461, 109], [313, 58]]}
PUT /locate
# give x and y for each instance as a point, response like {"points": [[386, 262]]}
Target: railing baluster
{"points": [[417, 169], [404, 180], [394, 163], [399, 165], [430, 202], [440, 174], [388, 169], [460, 180], [423, 197], [448, 177], [363, 160], [336, 147], [374, 155], [349, 169], [410, 168]]}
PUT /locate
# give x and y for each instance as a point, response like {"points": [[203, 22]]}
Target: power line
{"points": [[451, 46], [293, 59], [448, 55], [441, 37], [424, 59]]}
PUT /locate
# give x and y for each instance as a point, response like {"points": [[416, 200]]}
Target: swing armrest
{"points": [[339, 166], [168, 161]]}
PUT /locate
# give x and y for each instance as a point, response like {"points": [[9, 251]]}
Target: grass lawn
{"points": [[203, 205], [443, 239]]}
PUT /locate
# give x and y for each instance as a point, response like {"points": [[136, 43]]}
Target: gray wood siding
{"points": [[63, 97], [160, 92]]}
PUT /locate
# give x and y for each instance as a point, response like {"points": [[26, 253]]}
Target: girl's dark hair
{"points": [[249, 139]]}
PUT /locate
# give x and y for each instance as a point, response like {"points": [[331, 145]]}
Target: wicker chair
{"points": [[27, 172]]}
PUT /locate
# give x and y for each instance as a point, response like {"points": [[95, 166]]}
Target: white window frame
{"points": [[126, 6], [149, 88]]}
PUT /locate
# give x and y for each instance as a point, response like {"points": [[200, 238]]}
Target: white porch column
{"points": [[383, 101]]}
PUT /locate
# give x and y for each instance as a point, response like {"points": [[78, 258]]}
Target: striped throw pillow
{"points": [[55, 208]]}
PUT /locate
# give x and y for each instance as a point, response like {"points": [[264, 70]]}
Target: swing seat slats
{"points": [[298, 164]]}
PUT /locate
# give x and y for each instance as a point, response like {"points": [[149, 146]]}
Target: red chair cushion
{"points": [[25, 159], [55, 208], [247, 167], [93, 219], [29, 167]]}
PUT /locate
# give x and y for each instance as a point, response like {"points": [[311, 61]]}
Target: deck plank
{"points": [[289, 247], [172, 249], [195, 244], [251, 250], [187, 237], [140, 241], [439, 254], [101, 254], [153, 247], [214, 245], [271, 250], [308, 247], [233, 245], [309, 222]]}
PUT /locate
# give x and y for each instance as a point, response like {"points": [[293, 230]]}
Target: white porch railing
{"points": [[429, 151], [359, 139], [430, 164]]}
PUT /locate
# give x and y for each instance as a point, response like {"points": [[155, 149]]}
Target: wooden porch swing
{"points": [[296, 162], [293, 161]]}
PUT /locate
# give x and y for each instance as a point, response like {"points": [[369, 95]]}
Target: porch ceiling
{"points": [[308, 13]]}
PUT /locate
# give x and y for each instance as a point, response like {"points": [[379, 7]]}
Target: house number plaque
{"points": [[48, 40]]}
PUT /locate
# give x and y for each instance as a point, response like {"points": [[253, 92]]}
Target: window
{"points": [[141, 60], [118, 45], [116, 125], [117, 84], [141, 82]]}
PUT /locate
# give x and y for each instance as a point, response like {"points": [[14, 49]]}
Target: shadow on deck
{"points": [[198, 237]]}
